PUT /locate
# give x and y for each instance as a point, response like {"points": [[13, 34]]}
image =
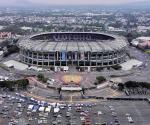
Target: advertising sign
{"points": [[82, 55], [69, 55], [63, 56], [76, 56]]}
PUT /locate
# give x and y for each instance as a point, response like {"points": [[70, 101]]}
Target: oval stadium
{"points": [[82, 49]]}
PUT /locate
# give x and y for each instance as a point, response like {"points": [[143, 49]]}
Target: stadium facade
{"points": [[84, 49]]}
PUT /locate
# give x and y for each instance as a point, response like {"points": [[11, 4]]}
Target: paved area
{"points": [[141, 73], [71, 78], [82, 79], [138, 110], [15, 108], [17, 65], [130, 64]]}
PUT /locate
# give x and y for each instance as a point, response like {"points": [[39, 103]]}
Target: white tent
{"points": [[1, 53], [71, 88], [41, 109], [1, 78], [48, 109], [56, 110], [53, 104], [6, 78], [65, 68], [30, 107]]}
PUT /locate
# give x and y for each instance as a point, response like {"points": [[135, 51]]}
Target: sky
{"points": [[69, 2]]}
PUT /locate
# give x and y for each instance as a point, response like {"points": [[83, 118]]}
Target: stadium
{"points": [[80, 49]]}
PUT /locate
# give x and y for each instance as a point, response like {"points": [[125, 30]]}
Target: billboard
{"points": [[76, 55], [63, 56], [69, 55], [57, 55], [82, 55]]}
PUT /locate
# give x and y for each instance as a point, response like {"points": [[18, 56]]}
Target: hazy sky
{"points": [[63, 2]]}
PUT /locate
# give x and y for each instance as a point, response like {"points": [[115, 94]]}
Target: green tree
{"points": [[100, 79], [116, 67], [40, 76]]}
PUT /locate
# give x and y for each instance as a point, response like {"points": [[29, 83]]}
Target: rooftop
{"points": [[65, 45]]}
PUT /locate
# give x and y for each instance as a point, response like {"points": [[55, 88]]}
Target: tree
{"points": [[22, 84], [129, 37], [121, 86], [83, 90], [11, 49], [40, 76], [100, 79], [116, 67], [18, 84], [132, 35], [59, 90]]}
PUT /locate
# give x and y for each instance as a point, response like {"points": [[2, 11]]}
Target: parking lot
{"points": [[138, 110], [17, 109]]}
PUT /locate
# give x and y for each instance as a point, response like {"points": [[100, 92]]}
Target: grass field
{"points": [[147, 51]]}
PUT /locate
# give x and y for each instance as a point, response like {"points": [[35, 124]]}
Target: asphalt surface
{"points": [[105, 111]]}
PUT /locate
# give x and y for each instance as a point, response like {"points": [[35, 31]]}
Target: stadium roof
{"points": [[93, 46]]}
